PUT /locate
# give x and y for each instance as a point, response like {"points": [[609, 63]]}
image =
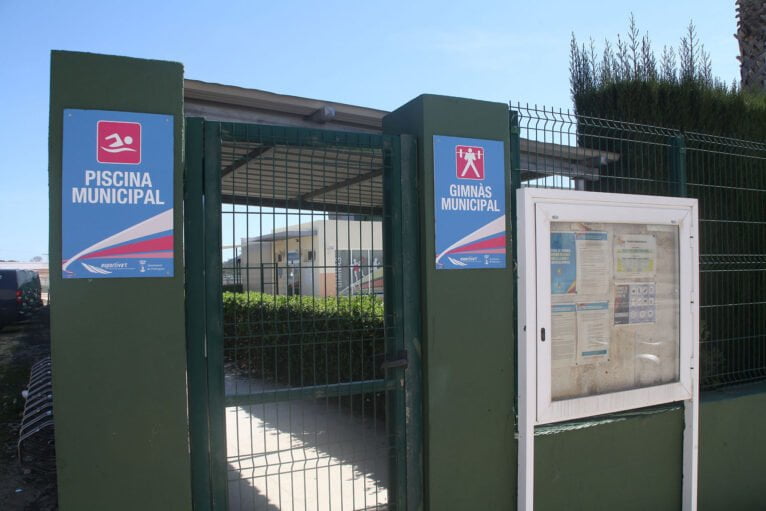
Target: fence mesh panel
{"points": [[728, 176], [305, 330], [559, 149]]}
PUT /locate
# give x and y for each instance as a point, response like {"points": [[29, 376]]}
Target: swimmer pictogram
{"points": [[119, 142]]}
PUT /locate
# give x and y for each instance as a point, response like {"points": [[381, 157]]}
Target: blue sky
{"points": [[376, 54]]}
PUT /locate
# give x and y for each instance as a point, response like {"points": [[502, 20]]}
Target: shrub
{"points": [[304, 340], [677, 90], [232, 288]]}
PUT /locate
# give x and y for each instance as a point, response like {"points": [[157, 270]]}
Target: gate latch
{"points": [[398, 360]]}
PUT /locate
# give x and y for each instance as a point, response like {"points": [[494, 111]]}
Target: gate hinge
{"points": [[398, 360]]}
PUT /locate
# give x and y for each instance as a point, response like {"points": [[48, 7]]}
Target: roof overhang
{"points": [[283, 235], [218, 102], [333, 179]]}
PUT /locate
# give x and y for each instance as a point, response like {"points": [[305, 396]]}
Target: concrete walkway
{"points": [[303, 455]]}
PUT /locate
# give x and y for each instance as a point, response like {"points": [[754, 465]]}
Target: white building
{"points": [[340, 256]]}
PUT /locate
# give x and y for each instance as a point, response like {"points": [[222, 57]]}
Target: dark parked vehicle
{"points": [[19, 294]]}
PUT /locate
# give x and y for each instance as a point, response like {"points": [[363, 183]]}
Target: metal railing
{"points": [[559, 149]]}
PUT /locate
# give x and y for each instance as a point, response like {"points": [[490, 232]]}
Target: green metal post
{"points": [[410, 235], [394, 279], [194, 248], [403, 300], [118, 345], [515, 159], [214, 313], [678, 164], [466, 322]]}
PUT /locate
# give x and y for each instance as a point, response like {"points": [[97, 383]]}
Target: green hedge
{"points": [[304, 340], [676, 89], [688, 106]]}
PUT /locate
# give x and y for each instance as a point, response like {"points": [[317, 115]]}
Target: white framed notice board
{"points": [[608, 313]]}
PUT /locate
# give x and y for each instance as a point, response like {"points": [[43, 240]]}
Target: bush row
{"points": [[304, 340]]}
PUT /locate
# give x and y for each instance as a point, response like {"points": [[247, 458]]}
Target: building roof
{"points": [[283, 235], [215, 101], [331, 177]]}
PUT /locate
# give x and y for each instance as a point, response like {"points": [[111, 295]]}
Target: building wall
{"points": [[256, 267], [343, 236], [317, 276]]}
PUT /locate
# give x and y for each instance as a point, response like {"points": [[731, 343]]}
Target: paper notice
{"points": [[564, 335], [635, 303], [593, 257], [593, 332], [635, 256]]}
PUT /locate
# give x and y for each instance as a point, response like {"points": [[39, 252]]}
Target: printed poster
{"points": [[580, 333], [580, 263], [563, 263], [469, 203], [593, 256], [635, 303], [635, 256], [593, 332], [117, 195], [563, 335]]}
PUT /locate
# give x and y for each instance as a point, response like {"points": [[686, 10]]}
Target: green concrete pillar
{"points": [[467, 318], [118, 344]]}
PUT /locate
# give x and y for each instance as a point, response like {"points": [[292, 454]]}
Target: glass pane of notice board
{"points": [[614, 307]]}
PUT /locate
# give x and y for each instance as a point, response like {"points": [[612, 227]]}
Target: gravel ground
{"points": [[29, 484]]}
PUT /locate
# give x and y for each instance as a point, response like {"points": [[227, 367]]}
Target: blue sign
{"points": [[117, 195], [469, 203]]}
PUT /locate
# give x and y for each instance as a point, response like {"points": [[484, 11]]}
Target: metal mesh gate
{"points": [[305, 355]]}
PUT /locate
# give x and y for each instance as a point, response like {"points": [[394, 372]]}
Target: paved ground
{"points": [[299, 455], [29, 485], [303, 455]]}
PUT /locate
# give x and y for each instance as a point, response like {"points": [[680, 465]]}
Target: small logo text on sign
{"points": [[118, 142], [469, 162]]}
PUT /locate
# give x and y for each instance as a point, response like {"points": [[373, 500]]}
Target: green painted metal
{"points": [[194, 252], [515, 159], [312, 392], [410, 321], [288, 364], [214, 313], [678, 164], [732, 448], [636, 461], [728, 177], [467, 323], [635, 464], [394, 278], [285, 135], [118, 345]]}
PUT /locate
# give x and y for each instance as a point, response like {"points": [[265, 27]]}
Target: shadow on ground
{"points": [[304, 454]]}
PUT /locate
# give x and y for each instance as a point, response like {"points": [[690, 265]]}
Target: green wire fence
{"points": [[559, 149]]}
